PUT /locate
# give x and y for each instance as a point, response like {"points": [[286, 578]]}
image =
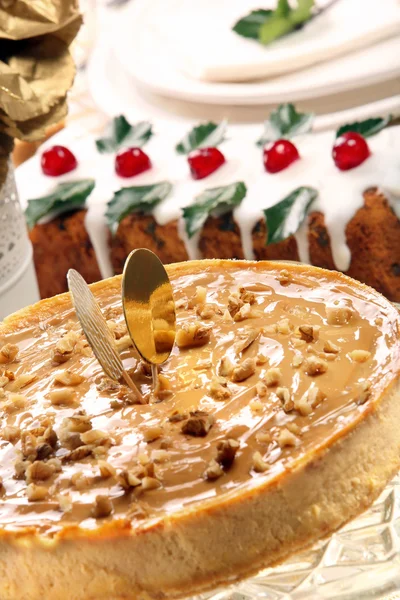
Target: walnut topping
{"points": [[11, 433], [331, 348], [213, 471], [273, 377], [78, 423], [261, 359], [256, 406], [65, 347], [106, 470], [309, 400], [150, 483], [225, 367], [259, 464], [284, 277], [208, 311], [244, 370], [309, 333], [227, 316], [201, 295], [35, 493], [193, 334], [297, 360], [129, 479], [287, 438], [315, 366], [118, 329], [364, 393], [95, 437], [198, 424], [107, 385], [39, 471], [78, 453], [359, 355], [284, 326], [246, 338], [234, 303], [294, 428], [261, 389], [103, 507], [219, 389], [160, 456], [67, 377], [15, 402], [285, 397], [338, 315], [20, 467], [163, 387], [152, 433], [20, 382], [62, 396], [177, 416], [263, 437], [243, 313], [226, 452], [8, 353], [80, 481], [44, 451], [64, 502]]}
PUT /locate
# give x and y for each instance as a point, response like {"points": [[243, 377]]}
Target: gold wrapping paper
{"points": [[36, 68]]}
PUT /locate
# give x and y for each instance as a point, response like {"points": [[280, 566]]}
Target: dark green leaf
{"points": [[284, 218], [249, 26], [216, 202], [285, 122], [202, 136], [121, 132], [365, 128], [141, 198], [283, 8], [66, 196]]}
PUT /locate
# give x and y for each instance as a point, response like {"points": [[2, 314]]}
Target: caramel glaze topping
{"points": [[269, 366]]}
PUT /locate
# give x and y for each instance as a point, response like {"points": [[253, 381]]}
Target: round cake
{"points": [[273, 423]]}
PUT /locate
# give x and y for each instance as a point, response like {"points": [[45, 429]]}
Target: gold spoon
{"points": [[149, 308], [96, 330]]}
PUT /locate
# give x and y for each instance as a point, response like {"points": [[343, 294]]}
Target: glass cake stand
{"points": [[359, 562]]}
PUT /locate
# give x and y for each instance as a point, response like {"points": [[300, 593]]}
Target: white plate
{"points": [[145, 56]]}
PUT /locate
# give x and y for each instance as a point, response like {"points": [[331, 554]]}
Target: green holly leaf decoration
{"points": [[366, 128], [285, 122], [121, 133], [284, 218], [202, 136], [141, 198]]}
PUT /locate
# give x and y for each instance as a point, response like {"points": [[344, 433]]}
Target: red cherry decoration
{"points": [[350, 150], [131, 161], [204, 161], [58, 160], [279, 155]]}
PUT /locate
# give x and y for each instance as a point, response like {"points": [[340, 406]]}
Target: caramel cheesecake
{"points": [[274, 422]]}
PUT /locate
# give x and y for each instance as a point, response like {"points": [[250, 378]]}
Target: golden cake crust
{"points": [[170, 557]]}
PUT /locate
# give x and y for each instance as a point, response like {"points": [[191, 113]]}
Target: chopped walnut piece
{"points": [[208, 311], [65, 347], [359, 355], [378, 321], [11, 433], [107, 385], [56, 463], [65, 502], [219, 389], [95, 437], [21, 381], [330, 347], [314, 366], [193, 334], [285, 397], [128, 479], [243, 313], [263, 437], [201, 295], [166, 443], [28, 445], [284, 326], [106, 470], [309, 333], [225, 366], [78, 453], [244, 370], [234, 303], [150, 434], [270, 329], [246, 338], [62, 396], [15, 402], [227, 316], [226, 452], [259, 464], [261, 359], [298, 342], [364, 393], [293, 428], [50, 437], [67, 377], [8, 353], [118, 329], [297, 360], [309, 400], [273, 377], [160, 456], [150, 483], [39, 471], [43, 451], [20, 467], [123, 343], [80, 481], [213, 471], [256, 406], [35, 493], [284, 277], [198, 424], [287, 438], [261, 389], [177, 416], [163, 387], [338, 315], [103, 507]]}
